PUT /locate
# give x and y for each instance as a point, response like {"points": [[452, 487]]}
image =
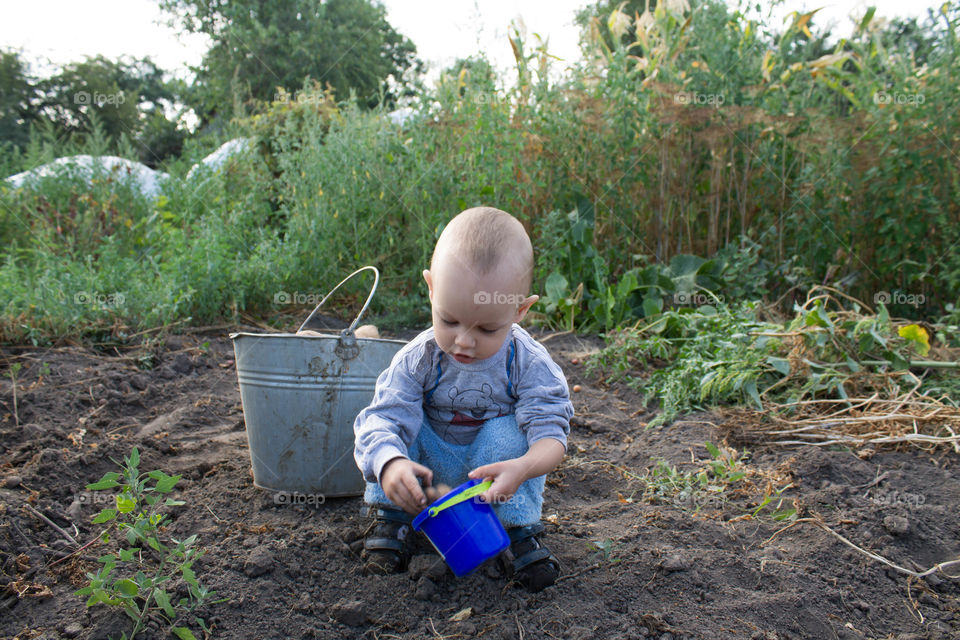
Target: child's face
{"points": [[472, 314]]}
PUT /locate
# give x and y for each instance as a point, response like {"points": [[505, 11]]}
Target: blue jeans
{"points": [[499, 439]]}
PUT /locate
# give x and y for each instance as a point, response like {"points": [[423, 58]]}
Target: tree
{"points": [[18, 98], [130, 98], [260, 45]]}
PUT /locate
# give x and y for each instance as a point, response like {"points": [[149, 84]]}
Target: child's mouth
{"points": [[462, 358]]}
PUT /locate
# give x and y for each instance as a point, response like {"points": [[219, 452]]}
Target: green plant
{"points": [[725, 354], [710, 355], [776, 157], [699, 487], [603, 550], [722, 480], [146, 561]]}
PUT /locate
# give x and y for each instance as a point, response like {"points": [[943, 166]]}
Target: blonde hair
{"points": [[484, 238]]}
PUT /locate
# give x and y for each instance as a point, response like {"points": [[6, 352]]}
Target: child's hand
{"points": [[399, 482], [507, 476], [542, 457]]}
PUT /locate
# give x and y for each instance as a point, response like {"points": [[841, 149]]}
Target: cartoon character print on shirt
{"points": [[474, 404]]}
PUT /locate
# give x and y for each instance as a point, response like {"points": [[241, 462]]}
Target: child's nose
{"points": [[465, 340]]}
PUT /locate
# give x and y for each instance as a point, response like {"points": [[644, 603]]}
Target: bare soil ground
{"points": [[632, 568]]}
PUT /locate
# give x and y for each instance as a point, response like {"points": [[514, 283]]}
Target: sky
{"points": [[61, 31]]}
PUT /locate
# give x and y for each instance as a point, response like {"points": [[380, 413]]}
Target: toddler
{"points": [[474, 396]]}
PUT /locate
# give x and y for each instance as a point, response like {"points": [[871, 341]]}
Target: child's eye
{"points": [[449, 323], [488, 331]]}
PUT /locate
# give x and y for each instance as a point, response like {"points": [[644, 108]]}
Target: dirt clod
{"points": [[352, 613], [258, 562], [425, 588], [897, 525], [676, 562], [429, 565]]}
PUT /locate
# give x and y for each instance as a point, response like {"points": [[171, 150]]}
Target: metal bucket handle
{"points": [[348, 332]]}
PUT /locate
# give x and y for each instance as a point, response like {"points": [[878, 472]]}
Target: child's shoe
{"points": [[388, 542], [529, 561]]}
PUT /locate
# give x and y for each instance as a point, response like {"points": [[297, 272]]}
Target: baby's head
{"points": [[479, 278]]}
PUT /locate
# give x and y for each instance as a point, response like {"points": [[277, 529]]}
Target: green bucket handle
{"points": [[463, 496]]}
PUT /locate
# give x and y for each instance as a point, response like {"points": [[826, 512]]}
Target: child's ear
{"points": [[429, 280], [523, 308]]}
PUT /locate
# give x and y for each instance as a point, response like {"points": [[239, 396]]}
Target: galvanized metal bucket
{"points": [[301, 395]]}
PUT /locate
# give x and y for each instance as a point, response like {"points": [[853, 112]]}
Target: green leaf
{"points": [[876, 337], [98, 596], [164, 601], [183, 633], [108, 481], [782, 365], [684, 267], [154, 544], [105, 516], [883, 316], [127, 587], [125, 504], [134, 459], [917, 336], [867, 18], [556, 286], [652, 305], [189, 576], [895, 359], [751, 388], [712, 450], [127, 555], [166, 483], [819, 317]]}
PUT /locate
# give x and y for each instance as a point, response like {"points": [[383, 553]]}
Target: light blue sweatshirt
{"points": [[423, 381]]}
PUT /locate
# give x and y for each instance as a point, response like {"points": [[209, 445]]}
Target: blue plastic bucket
{"points": [[464, 531]]}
